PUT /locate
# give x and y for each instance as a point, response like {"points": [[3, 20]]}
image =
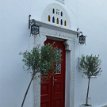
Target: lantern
{"points": [[33, 26], [34, 29], [82, 39]]}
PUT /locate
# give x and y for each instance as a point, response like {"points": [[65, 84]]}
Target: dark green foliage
{"points": [[47, 58], [41, 60], [32, 59], [90, 65]]}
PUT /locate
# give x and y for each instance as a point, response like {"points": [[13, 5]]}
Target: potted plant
{"points": [[90, 66], [40, 60]]}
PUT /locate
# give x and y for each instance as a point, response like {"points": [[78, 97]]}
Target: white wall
{"points": [[92, 20], [14, 38], [88, 15]]}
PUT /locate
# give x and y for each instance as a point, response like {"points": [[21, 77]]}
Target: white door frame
{"points": [[70, 37]]}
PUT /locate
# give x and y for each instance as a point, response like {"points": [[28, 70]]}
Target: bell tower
{"points": [[56, 14]]}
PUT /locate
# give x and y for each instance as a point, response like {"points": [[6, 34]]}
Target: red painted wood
{"points": [[53, 95]]}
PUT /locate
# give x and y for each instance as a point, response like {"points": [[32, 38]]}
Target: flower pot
{"points": [[84, 105]]}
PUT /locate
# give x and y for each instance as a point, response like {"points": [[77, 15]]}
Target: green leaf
{"points": [[42, 60], [90, 65]]}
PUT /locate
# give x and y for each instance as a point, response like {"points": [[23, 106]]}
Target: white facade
{"points": [[15, 38]]}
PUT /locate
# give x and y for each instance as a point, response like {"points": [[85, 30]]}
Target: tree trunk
{"points": [[27, 90], [87, 91]]}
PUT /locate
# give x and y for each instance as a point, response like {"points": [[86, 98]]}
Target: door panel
{"points": [[53, 88]]}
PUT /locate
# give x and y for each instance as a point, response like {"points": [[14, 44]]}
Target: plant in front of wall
{"points": [[40, 60], [90, 66]]}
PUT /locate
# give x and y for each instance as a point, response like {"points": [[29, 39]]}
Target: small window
{"points": [[53, 19], [65, 23], [57, 20], [61, 22], [53, 11], [58, 65], [57, 11], [61, 13], [49, 18]]}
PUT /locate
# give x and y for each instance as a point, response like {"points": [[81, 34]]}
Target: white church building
{"points": [[57, 22]]}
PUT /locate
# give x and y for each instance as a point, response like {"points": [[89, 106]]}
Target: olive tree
{"points": [[40, 60], [90, 66]]}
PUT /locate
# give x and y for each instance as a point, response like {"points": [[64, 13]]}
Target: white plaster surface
{"points": [[89, 15]]}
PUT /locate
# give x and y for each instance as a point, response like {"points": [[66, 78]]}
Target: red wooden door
{"points": [[53, 88]]}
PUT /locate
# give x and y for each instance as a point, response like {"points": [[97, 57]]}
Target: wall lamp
{"points": [[82, 38], [32, 25]]}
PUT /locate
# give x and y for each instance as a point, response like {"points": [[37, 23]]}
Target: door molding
{"points": [[70, 39], [70, 68]]}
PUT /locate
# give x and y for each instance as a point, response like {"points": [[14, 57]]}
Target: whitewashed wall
{"points": [[92, 20], [14, 38], [89, 15]]}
